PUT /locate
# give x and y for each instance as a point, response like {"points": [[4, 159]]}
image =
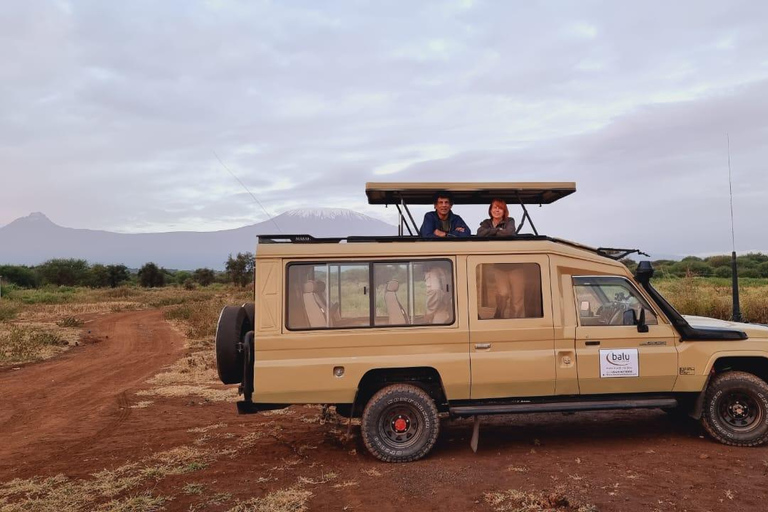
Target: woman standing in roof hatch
{"points": [[499, 223]]}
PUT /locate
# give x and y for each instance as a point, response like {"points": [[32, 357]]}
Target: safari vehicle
{"points": [[399, 330]]}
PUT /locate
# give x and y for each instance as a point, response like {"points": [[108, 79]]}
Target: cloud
{"points": [[110, 113]]}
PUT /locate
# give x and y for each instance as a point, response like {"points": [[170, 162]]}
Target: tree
{"points": [[150, 276], [240, 269], [19, 275], [182, 276], [64, 272], [204, 276], [99, 276], [103, 276], [118, 274]]}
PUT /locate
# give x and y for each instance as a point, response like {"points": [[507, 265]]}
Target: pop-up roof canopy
{"points": [[403, 194], [468, 193]]}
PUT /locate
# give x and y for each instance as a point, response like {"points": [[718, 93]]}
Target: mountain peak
{"points": [[326, 214], [36, 217], [33, 220]]}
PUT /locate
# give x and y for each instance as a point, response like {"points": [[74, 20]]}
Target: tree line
{"points": [[77, 272], [747, 265]]}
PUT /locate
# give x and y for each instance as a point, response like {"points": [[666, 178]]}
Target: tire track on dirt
{"points": [[51, 408]]}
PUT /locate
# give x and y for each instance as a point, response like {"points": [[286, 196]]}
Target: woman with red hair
{"points": [[499, 223], [509, 279]]}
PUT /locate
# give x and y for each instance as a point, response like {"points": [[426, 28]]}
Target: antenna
{"points": [[734, 272], [249, 192]]}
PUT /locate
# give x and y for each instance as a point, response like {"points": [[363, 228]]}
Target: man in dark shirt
{"points": [[443, 222]]}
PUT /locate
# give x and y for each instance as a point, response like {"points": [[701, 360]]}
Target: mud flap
{"points": [[475, 434]]}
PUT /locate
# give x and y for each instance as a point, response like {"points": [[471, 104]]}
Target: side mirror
{"points": [[641, 325]]}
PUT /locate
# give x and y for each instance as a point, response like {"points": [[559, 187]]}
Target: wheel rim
{"points": [[400, 426], [741, 411]]}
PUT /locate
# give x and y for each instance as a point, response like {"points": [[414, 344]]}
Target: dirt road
{"points": [[71, 416], [49, 409]]}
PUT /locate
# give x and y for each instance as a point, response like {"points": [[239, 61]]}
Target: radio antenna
{"points": [[734, 270], [249, 192]]}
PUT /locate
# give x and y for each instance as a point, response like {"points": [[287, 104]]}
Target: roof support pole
{"points": [[403, 221], [526, 215]]}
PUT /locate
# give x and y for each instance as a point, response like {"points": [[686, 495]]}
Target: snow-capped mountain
{"points": [[33, 239], [327, 213]]}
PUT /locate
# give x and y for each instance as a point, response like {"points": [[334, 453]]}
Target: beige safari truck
{"points": [[403, 332]]}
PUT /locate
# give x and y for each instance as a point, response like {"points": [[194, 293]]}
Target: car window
{"points": [[509, 290], [606, 300], [369, 294]]}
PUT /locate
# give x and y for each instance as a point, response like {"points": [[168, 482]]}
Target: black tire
{"points": [[400, 423], [232, 326], [736, 409], [250, 314]]}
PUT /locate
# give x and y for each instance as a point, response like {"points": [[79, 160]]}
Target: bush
{"points": [[65, 272], [18, 275], [150, 276], [723, 271], [204, 276]]}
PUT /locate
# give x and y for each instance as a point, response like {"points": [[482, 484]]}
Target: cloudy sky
{"points": [[112, 114]]}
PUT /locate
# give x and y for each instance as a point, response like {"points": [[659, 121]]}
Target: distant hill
{"points": [[35, 238]]}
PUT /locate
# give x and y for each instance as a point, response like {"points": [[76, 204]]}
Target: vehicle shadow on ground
{"points": [[613, 429]]}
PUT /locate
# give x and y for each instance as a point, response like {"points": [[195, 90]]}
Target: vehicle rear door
{"points": [[511, 329]]}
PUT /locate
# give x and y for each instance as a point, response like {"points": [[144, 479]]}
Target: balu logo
{"points": [[617, 359]]}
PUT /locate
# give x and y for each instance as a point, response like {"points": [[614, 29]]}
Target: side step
{"points": [[248, 407], [587, 405]]}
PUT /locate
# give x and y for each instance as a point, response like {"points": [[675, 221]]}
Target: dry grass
{"points": [[712, 297], [514, 500], [21, 344], [103, 490], [59, 312], [293, 499]]}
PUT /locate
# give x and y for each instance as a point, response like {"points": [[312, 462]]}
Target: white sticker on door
{"points": [[619, 363]]}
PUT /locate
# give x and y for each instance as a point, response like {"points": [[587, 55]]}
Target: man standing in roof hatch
{"points": [[443, 222]]}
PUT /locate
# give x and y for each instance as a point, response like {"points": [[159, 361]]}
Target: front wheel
{"points": [[736, 409], [400, 423]]}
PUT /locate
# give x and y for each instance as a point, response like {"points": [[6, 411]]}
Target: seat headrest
{"points": [[320, 286], [309, 287], [392, 286]]}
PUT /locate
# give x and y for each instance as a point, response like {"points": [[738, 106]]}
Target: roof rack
{"points": [[296, 239], [402, 194], [612, 253]]}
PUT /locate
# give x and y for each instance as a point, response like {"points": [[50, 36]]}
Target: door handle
{"points": [[591, 343], [482, 346]]}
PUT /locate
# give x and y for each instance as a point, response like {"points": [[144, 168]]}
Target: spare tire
{"points": [[230, 331], [250, 313]]}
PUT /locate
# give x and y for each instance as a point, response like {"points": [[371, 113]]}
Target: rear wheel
{"points": [[230, 331], [400, 423], [736, 409]]}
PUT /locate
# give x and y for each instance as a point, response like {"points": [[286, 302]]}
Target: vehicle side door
{"points": [[612, 355], [511, 329]]}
